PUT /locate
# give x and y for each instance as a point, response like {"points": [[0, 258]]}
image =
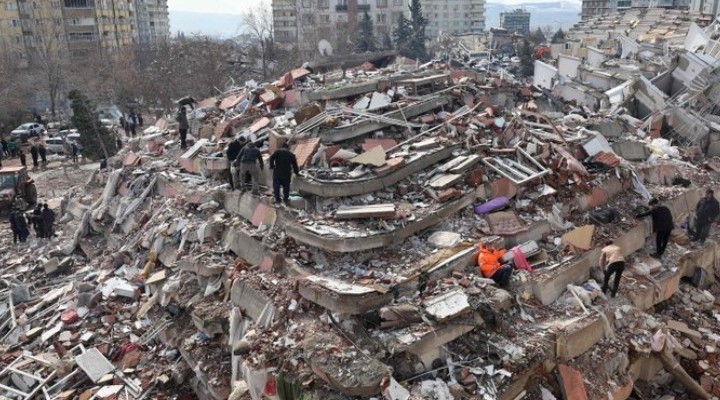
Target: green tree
{"points": [[559, 36], [96, 141], [536, 37], [402, 35], [418, 22], [365, 41]]}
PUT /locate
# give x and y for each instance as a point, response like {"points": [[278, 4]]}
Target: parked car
{"points": [[55, 145], [26, 131]]}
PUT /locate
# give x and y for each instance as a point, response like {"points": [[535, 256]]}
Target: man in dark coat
{"points": [[706, 213], [36, 220], [250, 161], [662, 225], [34, 155], [22, 157], [232, 152], [283, 163], [48, 219], [183, 126], [19, 226], [43, 154]]}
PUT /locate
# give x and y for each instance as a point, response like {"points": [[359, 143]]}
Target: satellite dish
{"points": [[325, 48]]}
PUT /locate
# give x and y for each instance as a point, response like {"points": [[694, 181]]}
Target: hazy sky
{"points": [[211, 6]]}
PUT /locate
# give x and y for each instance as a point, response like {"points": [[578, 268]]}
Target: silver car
{"points": [[26, 131]]}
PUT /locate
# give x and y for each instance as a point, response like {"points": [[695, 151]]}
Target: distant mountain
{"points": [[557, 13], [223, 25]]}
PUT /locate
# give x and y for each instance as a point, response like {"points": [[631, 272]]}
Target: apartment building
{"points": [[592, 8], [79, 27], [516, 21], [454, 16], [303, 24]]}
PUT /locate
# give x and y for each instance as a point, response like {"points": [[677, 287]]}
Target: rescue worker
{"points": [[283, 163], [48, 219], [232, 152], [489, 263], [706, 213], [612, 262], [250, 161], [662, 225]]}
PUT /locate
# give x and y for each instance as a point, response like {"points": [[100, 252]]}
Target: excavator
{"points": [[542, 53]]}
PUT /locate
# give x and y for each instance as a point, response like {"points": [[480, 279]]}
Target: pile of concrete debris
{"points": [[161, 280]]}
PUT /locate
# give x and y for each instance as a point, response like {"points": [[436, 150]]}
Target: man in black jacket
{"points": [[232, 152], [183, 126], [705, 214], [250, 161], [662, 225], [283, 162]]}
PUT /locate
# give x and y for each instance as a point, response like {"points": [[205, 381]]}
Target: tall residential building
{"points": [[454, 16], [592, 8], [516, 21], [303, 24], [80, 27], [153, 21]]}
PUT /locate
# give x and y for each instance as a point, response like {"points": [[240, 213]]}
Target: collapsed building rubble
{"points": [[162, 280]]}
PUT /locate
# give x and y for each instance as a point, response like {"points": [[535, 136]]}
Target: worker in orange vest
{"points": [[489, 263]]}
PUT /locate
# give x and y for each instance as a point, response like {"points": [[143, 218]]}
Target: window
{"points": [[11, 6], [79, 3], [325, 18], [381, 18], [382, 3], [306, 3], [37, 22], [324, 4], [397, 3], [14, 23], [17, 40], [308, 18], [81, 36], [55, 4], [35, 5]]}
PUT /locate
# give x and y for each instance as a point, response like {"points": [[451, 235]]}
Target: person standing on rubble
{"points": [[43, 154], [19, 226], [36, 219], [48, 219], [183, 126], [662, 220], [706, 213], [34, 155], [21, 153], [232, 152], [612, 262], [283, 163], [489, 263], [250, 161]]}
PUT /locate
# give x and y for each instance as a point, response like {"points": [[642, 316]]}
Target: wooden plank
{"points": [[369, 211], [466, 164], [445, 180]]}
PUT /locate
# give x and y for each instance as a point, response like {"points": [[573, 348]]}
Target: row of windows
{"points": [[326, 3], [309, 18]]}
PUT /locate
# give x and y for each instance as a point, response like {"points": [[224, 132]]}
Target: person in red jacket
{"points": [[489, 263]]}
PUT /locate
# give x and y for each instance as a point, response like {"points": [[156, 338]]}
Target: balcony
{"points": [[341, 8], [363, 7]]}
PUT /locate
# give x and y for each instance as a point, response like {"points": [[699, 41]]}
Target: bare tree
{"points": [[15, 87], [259, 23], [49, 54]]}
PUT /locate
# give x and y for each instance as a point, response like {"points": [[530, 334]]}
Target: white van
{"points": [[55, 145]]}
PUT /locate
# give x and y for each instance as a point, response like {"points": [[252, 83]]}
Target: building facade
{"points": [[79, 27], [454, 17], [592, 8], [516, 21], [304, 23], [707, 7]]}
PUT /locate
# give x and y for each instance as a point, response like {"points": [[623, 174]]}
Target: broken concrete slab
{"points": [[447, 306], [580, 238], [368, 211], [375, 157], [94, 364]]}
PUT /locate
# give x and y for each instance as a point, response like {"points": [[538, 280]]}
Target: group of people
{"points": [[246, 160], [612, 261], [131, 123], [37, 151], [42, 219]]}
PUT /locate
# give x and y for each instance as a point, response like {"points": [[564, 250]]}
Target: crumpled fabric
{"points": [[520, 260]]}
